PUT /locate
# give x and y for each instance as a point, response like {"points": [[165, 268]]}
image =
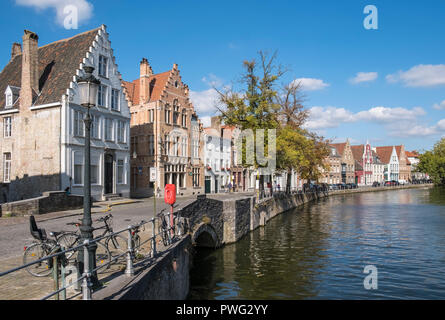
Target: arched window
{"points": [[175, 111]]}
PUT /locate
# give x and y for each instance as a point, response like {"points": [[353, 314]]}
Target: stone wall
{"points": [[165, 278], [50, 202]]}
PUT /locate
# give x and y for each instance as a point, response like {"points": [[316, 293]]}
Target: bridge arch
{"points": [[205, 236]]}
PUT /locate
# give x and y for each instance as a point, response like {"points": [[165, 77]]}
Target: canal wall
{"points": [[166, 277], [214, 222]]}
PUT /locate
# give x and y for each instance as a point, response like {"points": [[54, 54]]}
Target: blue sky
{"points": [[385, 85]]}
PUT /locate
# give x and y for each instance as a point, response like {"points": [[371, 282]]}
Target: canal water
{"points": [[320, 251]]}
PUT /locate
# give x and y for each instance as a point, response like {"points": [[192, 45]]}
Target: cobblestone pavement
{"points": [[14, 235], [21, 285]]}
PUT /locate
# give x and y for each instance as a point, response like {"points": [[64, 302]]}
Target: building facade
{"points": [[347, 161], [333, 176], [165, 134], [388, 156], [363, 169], [43, 131]]}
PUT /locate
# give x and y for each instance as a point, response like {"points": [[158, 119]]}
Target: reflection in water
{"points": [[319, 251]]}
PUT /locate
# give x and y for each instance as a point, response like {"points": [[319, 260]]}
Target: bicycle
{"points": [[163, 227], [113, 242], [42, 248]]}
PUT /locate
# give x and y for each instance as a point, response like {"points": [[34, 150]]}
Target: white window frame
{"points": [[95, 127], [102, 96], [7, 167], [7, 127], [115, 94], [9, 100], [78, 124], [109, 129], [121, 178], [121, 131], [103, 66], [81, 164]]}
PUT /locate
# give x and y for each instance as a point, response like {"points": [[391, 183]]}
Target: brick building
{"points": [[42, 145], [166, 134], [347, 161], [333, 176], [363, 164]]}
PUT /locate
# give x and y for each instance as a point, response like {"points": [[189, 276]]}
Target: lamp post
{"points": [[88, 88]]}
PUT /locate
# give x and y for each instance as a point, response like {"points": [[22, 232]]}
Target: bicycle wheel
{"points": [[36, 252], [163, 232], [67, 241], [117, 245], [103, 257]]}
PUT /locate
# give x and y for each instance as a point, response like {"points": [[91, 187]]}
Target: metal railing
{"points": [[58, 257]]}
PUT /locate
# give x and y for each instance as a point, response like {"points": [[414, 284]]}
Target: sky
{"points": [[376, 76]]}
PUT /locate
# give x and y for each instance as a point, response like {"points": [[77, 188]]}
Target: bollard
{"points": [[86, 283], [153, 241], [129, 270]]}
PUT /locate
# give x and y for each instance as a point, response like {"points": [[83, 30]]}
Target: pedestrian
{"points": [[279, 187], [229, 186]]}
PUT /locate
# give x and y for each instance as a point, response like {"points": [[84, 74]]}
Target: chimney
{"points": [[16, 50], [145, 73], [30, 68], [215, 122]]}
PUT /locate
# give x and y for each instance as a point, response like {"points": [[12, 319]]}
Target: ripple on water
{"points": [[320, 251]]}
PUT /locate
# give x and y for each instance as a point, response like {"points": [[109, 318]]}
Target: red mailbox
{"points": [[170, 194]]}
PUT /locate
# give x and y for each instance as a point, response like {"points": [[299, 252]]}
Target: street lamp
{"points": [[88, 88]]}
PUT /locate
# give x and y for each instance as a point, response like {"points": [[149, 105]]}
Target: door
{"points": [[208, 185], [216, 185], [108, 174]]}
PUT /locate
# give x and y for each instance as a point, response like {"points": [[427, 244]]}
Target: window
{"points": [[94, 176], [109, 129], [175, 112], [151, 145], [95, 127], [7, 167], [167, 114], [121, 131], [78, 168], [184, 118], [184, 147], [151, 114], [167, 145], [7, 127], [196, 176], [103, 66], [79, 125], [102, 96], [120, 172], [9, 100], [115, 99]]}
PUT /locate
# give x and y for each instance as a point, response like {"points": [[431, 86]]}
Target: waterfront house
{"points": [[333, 175], [363, 169], [388, 156], [43, 130], [165, 134], [347, 161]]}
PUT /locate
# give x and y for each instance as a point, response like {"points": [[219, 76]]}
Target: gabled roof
{"points": [[58, 62], [340, 147], [357, 152], [159, 81], [375, 158], [384, 153]]}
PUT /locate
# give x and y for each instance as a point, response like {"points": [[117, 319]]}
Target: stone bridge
{"points": [[215, 221]]}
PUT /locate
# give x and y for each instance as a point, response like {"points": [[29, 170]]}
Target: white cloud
{"points": [[85, 8], [439, 106], [364, 77], [420, 76], [332, 117], [311, 84], [205, 101]]}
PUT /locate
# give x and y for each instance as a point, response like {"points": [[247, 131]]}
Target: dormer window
{"points": [[11, 96], [9, 100]]}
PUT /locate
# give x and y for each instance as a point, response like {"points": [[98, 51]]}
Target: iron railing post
{"points": [[153, 244], [129, 270], [86, 284], [56, 276]]}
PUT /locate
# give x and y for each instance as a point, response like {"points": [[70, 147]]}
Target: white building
{"points": [[45, 143], [217, 156]]}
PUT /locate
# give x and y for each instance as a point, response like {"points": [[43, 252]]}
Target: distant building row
{"points": [[364, 165]]}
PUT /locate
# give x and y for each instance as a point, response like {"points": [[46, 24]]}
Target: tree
{"points": [[433, 163]]}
